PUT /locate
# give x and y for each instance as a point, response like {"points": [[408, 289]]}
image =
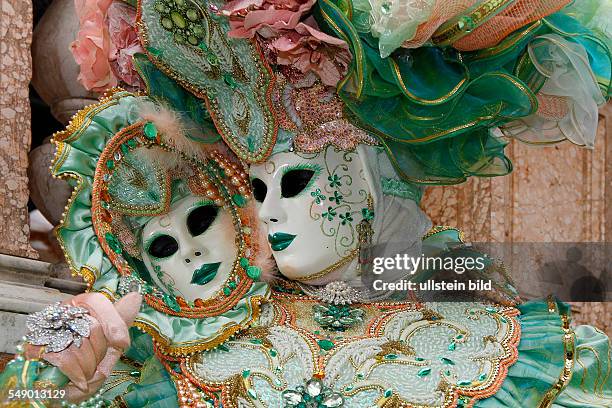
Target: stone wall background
{"points": [[15, 74], [560, 193]]}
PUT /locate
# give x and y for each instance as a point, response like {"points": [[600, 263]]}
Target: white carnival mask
{"points": [[311, 205], [190, 251]]}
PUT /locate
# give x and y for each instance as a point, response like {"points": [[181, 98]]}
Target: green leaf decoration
{"points": [[229, 75]]}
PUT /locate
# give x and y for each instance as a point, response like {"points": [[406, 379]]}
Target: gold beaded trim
{"points": [[330, 268], [461, 26], [569, 344], [165, 347], [442, 228]]}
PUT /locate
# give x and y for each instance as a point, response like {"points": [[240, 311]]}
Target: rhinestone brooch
{"points": [[58, 326]]}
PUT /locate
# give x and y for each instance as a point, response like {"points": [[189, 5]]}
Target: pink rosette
{"points": [[264, 17], [93, 46], [105, 45], [310, 50], [123, 35]]}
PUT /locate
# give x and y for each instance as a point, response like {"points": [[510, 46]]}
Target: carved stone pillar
{"points": [[15, 74]]}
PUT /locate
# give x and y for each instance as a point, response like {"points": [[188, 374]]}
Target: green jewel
{"points": [[178, 19], [179, 38], [212, 59], [223, 347], [273, 352], [464, 383], [388, 393], [419, 359], [349, 388], [125, 149], [227, 291], [239, 200], [447, 361], [337, 318], [229, 79], [246, 373], [391, 357], [318, 196], [447, 373], [482, 377], [424, 371], [132, 143], [346, 218], [256, 341], [336, 198], [452, 346], [110, 164], [254, 272], [232, 285], [334, 181], [250, 143], [367, 214], [113, 243], [150, 130], [330, 214], [170, 301], [244, 262], [360, 376], [154, 51], [192, 14], [491, 309], [325, 344], [166, 23], [252, 393]]}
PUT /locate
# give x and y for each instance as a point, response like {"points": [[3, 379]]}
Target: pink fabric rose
{"points": [[290, 40], [123, 35], [264, 17], [311, 50], [92, 47]]}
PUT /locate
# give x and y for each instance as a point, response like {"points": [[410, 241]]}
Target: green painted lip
{"points": [[205, 273], [279, 240]]}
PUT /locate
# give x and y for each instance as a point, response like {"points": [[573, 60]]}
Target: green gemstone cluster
{"points": [[183, 19], [337, 318]]}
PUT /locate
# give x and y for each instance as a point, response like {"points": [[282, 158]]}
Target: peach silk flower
{"points": [[123, 35], [88, 366], [309, 49], [294, 42], [93, 47], [264, 17]]}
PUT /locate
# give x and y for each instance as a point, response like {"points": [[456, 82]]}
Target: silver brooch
{"points": [[338, 293], [58, 326]]}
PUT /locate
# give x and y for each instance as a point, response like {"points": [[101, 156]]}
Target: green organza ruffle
{"points": [[434, 109], [541, 361]]}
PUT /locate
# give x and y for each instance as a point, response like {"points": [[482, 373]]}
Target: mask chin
{"points": [[310, 206], [190, 251]]}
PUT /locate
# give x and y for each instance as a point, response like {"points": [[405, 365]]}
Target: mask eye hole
{"points": [[259, 190], [200, 219], [295, 181], [163, 246]]}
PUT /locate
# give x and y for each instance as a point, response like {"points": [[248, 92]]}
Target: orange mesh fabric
{"points": [[552, 107], [443, 11], [517, 15]]}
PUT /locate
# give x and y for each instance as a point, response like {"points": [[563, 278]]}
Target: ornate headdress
{"points": [[130, 157]]}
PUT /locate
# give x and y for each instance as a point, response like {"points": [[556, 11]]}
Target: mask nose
{"points": [[271, 212]]}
